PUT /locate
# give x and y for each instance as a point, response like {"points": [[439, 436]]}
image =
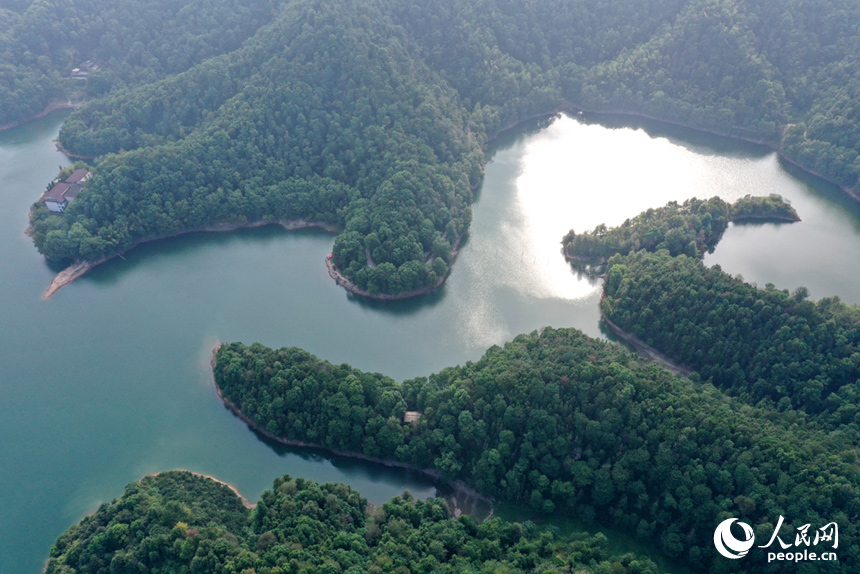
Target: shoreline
{"points": [[69, 154], [572, 107], [457, 486], [645, 350], [846, 190], [677, 123], [80, 268], [245, 502], [567, 106], [765, 219], [49, 109], [771, 145], [342, 281], [585, 259]]}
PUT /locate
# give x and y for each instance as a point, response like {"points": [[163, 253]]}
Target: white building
{"points": [[58, 197]]}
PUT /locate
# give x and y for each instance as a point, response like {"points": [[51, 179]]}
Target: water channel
{"points": [[108, 380]]}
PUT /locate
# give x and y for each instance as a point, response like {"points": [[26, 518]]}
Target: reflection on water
{"points": [[125, 390], [186, 246], [372, 471], [697, 142], [460, 500], [403, 306]]}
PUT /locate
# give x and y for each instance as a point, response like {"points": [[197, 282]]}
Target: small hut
{"points": [[411, 416]]}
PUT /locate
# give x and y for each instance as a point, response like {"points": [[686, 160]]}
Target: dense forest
{"points": [[692, 228], [179, 522], [323, 116], [568, 424], [772, 208], [374, 115], [134, 43], [766, 346]]}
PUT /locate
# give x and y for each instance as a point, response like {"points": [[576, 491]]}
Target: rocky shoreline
{"points": [[457, 486], [342, 281], [69, 154]]}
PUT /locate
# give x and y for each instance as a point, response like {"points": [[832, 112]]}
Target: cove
{"points": [[108, 380]]}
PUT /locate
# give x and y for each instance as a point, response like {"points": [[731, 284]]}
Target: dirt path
{"points": [[647, 350]]}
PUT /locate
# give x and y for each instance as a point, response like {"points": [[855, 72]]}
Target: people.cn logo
{"points": [[727, 544]]}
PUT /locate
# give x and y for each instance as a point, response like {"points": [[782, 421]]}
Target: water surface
{"points": [[108, 380]]}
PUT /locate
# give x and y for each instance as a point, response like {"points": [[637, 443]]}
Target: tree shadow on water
{"points": [[698, 141], [404, 306], [354, 467], [185, 245], [460, 501]]}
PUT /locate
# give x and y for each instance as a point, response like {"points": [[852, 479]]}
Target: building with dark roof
{"points": [[58, 197], [79, 176]]}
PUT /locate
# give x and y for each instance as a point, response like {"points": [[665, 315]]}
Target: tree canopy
{"points": [[564, 423], [764, 345], [771, 208], [374, 115], [179, 522], [692, 228]]}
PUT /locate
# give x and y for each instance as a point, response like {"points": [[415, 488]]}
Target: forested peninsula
{"points": [[375, 116], [691, 228], [765, 346], [179, 522], [564, 423]]}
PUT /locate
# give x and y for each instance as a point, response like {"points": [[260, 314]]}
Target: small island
{"points": [[773, 208], [692, 228]]}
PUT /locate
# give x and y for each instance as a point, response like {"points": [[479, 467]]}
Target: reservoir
{"points": [[108, 380]]}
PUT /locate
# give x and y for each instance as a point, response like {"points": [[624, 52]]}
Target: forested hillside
{"points": [[569, 424], [179, 522], [374, 115], [134, 42], [764, 345], [324, 116]]}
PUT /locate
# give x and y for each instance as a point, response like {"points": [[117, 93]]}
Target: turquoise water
{"points": [[108, 380]]}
